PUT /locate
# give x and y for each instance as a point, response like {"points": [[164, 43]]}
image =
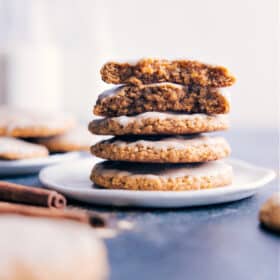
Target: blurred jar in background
{"points": [[30, 61], [51, 53], [83, 31]]}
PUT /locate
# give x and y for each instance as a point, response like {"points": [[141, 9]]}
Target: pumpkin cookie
{"points": [[163, 97], [77, 139], [161, 177], [151, 123], [15, 149], [40, 248], [270, 213], [27, 123], [177, 149], [148, 71]]}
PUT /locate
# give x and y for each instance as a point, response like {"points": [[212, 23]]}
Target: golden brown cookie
{"points": [[27, 123], [162, 149], [149, 70], [270, 213], [161, 177], [77, 139], [152, 123], [162, 97], [39, 248], [15, 149]]}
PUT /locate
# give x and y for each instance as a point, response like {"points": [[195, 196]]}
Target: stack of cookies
{"points": [[157, 115], [27, 134]]}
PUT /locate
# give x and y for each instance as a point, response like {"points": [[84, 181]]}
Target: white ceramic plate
{"points": [[28, 166], [72, 179]]}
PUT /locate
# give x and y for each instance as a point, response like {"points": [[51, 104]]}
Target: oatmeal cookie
{"points": [[25, 123], [77, 139], [161, 177], [152, 123], [41, 248], [270, 213], [161, 149], [15, 149], [132, 100], [149, 70]]}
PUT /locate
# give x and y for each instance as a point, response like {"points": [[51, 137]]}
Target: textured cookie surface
{"points": [[132, 100], [14, 149], [161, 177], [77, 139], [30, 123], [37, 248], [176, 149], [270, 213], [151, 123], [186, 72]]}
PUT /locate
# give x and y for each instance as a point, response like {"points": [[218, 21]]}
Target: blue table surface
{"points": [[216, 242]]}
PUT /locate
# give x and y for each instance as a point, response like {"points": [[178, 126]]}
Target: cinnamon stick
{"points": [[34, 211], [31, 195]]}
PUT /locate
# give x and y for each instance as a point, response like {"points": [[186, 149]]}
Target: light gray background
{"points": [[67, 41]]}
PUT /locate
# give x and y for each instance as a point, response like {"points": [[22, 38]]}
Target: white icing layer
{"points": [[40, 248], [110, 92], [126, 120], [79, 136], [116, 90], [175, 142], [154, 171], [12, 118], [16, 146]]}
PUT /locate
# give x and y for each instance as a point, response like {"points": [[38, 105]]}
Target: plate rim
{"points": [[99, 193]]}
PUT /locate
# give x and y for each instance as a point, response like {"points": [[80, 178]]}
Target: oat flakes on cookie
{"points": [[162, 149], [161, 177], [162, 97], [149, 70], [157, 123]]}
